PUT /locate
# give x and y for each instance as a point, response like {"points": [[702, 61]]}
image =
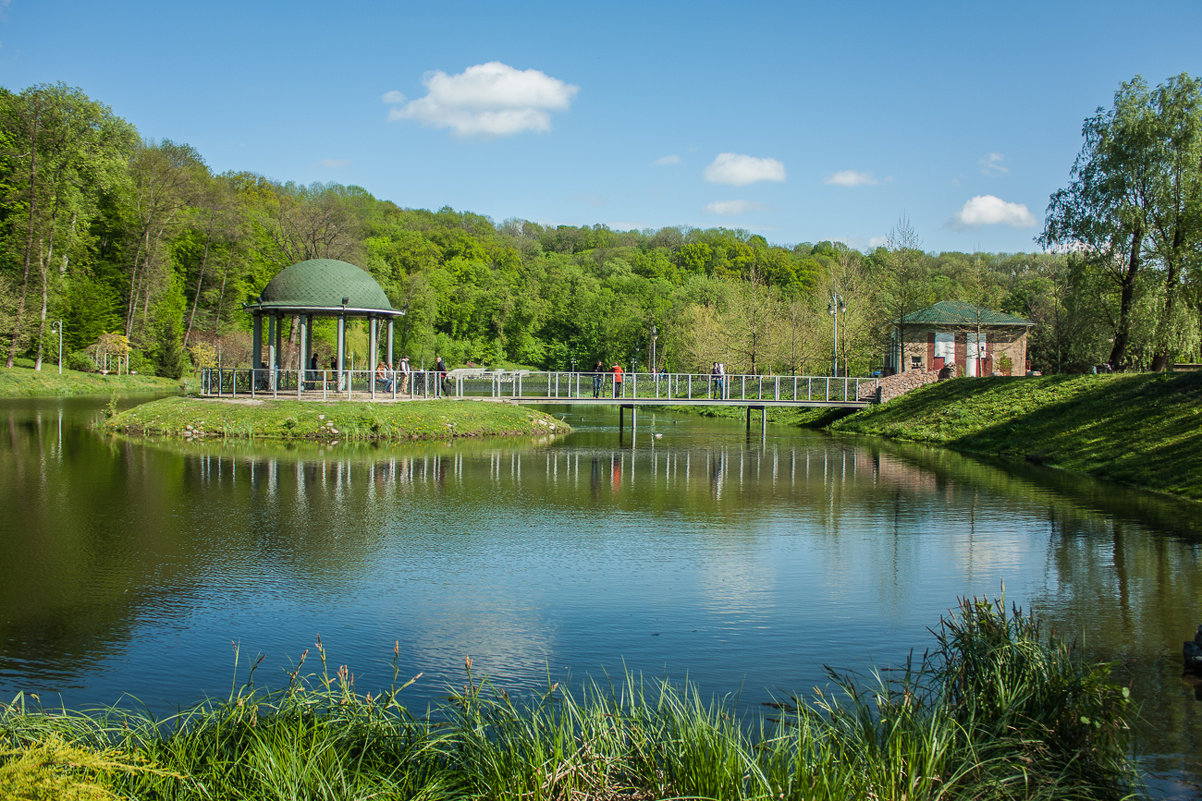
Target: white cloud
{"points": [[851, 178], [990, 210], [739, 170], [335, 164], [731, 208], [878, 241], [490, 99], [667, 161], [991, 164]]}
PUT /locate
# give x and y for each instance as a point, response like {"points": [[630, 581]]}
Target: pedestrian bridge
{"points": [[528, 387]]}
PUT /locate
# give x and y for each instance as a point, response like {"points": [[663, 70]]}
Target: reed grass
{"points": [[998, 709]]}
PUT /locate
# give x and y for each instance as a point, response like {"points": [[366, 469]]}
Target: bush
{"points": [[80, 362], [140, 364]]}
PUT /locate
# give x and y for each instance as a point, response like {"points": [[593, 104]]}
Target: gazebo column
{"points": [[273, 349], [341, 347], [391, 358], [302, 355], [374, 348], [256, 343]]}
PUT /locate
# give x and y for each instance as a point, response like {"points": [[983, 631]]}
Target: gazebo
{"points": [[319, 288]]}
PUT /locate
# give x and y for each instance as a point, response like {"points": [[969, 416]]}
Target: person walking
{"points": [[598, 371]]}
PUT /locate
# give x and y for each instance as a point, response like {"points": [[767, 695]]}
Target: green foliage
{"points": [[164, 252], [53, 770], [80, 362]]}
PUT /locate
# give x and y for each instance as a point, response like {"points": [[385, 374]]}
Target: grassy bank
{"points": [[23, 382], [1142, 430], [997, 710], [340, 420]]}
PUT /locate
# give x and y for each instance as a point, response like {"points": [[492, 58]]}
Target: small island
{"points": [[195, 418]]}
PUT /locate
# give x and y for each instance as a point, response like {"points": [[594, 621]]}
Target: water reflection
{"points": [[129, 567]]}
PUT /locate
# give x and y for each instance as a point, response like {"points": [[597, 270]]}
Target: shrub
{"points": [[80, 362]]}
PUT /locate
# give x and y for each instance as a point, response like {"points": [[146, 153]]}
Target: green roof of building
{"points": [[321, 283], [957, 312]]}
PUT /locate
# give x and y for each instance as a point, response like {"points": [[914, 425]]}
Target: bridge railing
{"points": [[668, 387]]}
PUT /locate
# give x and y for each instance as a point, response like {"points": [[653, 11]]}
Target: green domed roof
{"points": [[324, 283]]}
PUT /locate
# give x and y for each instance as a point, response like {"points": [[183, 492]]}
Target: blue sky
{"points": [[800, 121]]}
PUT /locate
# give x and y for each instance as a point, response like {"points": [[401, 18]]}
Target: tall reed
{"points": [[996, 710]]}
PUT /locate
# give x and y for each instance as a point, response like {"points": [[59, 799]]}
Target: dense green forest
{"points": [[138, 245]]}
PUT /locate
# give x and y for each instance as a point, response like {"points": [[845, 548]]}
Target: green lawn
{"points": [[338, 420], [1137, 429], [24, 382]]}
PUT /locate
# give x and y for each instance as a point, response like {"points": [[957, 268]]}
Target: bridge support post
{"points": [[763, 421], [634, 419]]}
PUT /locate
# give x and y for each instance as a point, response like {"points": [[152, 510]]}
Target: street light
{"points": [[834, 307], [58, 327], [654, 336], [573, 364]]}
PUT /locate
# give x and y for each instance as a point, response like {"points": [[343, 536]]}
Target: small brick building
{"points": [[976, 341]]}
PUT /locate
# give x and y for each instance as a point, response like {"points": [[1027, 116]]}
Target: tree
{"points": [[1175, 221], [899, 285], [166, 178], [62, 152], [1133, 201]]}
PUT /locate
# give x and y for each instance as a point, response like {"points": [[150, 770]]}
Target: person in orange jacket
{"points": [[617, 371]]}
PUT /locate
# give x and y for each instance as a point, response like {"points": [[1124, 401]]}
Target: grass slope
{"points": [[339, 420], [23, 382], [1136, 429]]}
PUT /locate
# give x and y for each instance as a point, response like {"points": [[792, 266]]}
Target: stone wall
{"points": [[899, 384]]}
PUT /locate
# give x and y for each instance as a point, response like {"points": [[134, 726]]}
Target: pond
{"points": [[133, 572]]}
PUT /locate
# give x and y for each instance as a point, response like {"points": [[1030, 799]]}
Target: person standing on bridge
{"points": [[440, 377], [598, 371], [405, 371], [617, 371]]}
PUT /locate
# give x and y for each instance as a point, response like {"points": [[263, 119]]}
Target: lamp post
{"points": [[834, 308], [58, 327], [573, 364], [654, 336]]}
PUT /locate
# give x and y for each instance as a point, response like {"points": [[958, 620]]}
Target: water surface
{"points": [[132, 569]]}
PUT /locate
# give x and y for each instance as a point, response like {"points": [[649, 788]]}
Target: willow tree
{"points": [[1132, 203], [1175, 230]]}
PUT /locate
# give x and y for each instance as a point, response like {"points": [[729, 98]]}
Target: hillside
{"points": [[1138, 429]]}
